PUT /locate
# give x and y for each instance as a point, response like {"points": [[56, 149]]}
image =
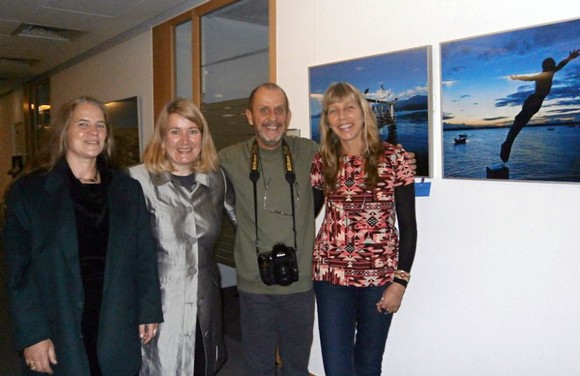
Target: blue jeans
{"points": [[353, 334]]}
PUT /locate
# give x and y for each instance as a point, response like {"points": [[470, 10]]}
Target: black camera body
{"points": [[278, 267]]}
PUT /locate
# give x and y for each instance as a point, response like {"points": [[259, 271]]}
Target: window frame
{"points": [[164, 52]]}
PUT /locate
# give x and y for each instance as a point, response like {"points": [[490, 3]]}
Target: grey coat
{"points": [[186, 225]]}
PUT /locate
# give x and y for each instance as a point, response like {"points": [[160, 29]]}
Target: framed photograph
{"points": [[123, 115], [510, 105], [397, 85]]}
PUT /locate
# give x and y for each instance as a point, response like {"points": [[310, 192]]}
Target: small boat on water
{"points": [[460, 138]]}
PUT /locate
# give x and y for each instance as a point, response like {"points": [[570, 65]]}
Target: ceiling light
{"points": [[46, 32], [17, 62]]}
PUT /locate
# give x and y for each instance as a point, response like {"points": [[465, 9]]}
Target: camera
{"points": [[278, 267]]}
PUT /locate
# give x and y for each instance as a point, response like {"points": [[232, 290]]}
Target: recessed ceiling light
{"points": [[46, 32], [18, 62]]}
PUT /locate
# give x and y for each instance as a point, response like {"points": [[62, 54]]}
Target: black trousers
{"points": [[199, 365]]}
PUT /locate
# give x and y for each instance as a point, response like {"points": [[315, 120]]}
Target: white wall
{"points": [[494, 287], [123, 71]]}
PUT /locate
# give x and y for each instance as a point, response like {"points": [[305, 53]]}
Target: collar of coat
{"points": [[61, 169]]}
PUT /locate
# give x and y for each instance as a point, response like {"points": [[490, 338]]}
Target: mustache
{"points": [[268, 123]]}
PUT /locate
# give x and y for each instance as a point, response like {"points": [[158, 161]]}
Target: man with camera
{"points": [[275, 236]]}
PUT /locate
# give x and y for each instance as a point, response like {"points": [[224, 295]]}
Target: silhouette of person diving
{"points": [[534, 102]]}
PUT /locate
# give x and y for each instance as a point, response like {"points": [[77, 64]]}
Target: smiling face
{"points": [[346, 119], [87, 132], [182, 142], [269, 116]]}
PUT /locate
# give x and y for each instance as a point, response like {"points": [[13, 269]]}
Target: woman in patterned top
{"points": [[361, 265]]}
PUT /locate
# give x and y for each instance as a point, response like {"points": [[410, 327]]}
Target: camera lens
{"points": [[283, 273]]}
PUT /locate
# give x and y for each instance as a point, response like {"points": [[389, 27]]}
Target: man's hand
{"points": [[411, 159]]}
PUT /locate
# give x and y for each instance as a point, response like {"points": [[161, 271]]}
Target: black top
{"points": [[187, 181], [91, 208]]}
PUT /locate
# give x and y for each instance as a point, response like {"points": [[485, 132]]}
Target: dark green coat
{"points": [[44, 283]]}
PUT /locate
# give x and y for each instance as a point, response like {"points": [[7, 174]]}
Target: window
{"points": [[234, 59]]}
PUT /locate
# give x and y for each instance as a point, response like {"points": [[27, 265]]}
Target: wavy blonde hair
{"points": [[330, 146], [155, 155]]}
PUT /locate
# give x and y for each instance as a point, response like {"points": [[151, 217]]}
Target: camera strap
{"points": [[290, 178]]}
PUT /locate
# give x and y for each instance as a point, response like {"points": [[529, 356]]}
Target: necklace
{"points": [[92, 180]]}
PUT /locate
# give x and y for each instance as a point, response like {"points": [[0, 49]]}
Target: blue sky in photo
{"points": [[476, 89], [402, 74]]}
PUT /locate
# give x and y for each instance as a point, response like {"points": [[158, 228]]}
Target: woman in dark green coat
{"points": [[82, 275]]}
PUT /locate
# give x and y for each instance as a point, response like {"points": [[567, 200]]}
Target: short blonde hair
{"points": [[155, 156]]}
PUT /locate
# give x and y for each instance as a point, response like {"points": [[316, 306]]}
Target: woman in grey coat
{"points": [[186, 193]]}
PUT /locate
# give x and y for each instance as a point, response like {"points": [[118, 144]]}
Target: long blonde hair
{"points": [[155, 156], [330, 146]]}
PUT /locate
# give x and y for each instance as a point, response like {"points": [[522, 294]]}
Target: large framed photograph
{"points": [[124, 117], [397, 85], [510, 105]]}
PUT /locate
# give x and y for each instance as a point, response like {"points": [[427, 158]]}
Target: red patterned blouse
{"points": [[358, 243]]}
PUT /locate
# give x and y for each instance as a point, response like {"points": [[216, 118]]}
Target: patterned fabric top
{"points": [[358, 243]]}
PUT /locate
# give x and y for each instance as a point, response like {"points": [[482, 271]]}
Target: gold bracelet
{"points": [[401, 274]]}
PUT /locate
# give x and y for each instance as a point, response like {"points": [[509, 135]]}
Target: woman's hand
{"points": [[40, 356], [147, 332], [391, 300]]}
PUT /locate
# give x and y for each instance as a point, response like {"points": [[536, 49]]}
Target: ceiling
{"points": [[62, 32]]}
